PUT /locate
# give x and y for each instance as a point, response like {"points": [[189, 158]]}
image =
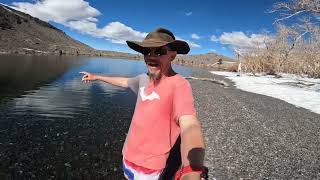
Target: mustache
{"points": [[152, 63]]}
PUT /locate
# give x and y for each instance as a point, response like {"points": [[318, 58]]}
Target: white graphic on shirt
{"points": [[150, 97]]}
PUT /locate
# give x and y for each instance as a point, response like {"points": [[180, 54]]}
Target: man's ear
{"points": [[173, 55]]}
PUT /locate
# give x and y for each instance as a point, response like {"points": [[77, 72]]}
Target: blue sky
{"points": [[208, 25]]}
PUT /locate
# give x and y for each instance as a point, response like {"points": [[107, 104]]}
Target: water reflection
{"points": [[18, 74], [51, 86], [53, 100]]}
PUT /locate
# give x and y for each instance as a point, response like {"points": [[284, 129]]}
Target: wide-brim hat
{"points": [[157, 38]]}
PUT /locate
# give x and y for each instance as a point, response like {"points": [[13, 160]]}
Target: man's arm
{"points": [[192, 145], [117, 81]]}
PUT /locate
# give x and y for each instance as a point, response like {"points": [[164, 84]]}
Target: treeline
{"points": [[295, 48]]}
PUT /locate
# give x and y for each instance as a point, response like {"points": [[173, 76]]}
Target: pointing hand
{"points": [[87, 76]]}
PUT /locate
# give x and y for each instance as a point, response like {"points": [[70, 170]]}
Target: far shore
{"points": [[204, 61]]}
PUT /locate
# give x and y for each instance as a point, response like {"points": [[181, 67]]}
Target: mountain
{"points": [[21, 33], [209, 60]]}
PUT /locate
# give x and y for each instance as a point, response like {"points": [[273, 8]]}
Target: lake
{"points": [[54, 126]]}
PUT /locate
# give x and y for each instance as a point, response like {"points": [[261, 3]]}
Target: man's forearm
{"points": [[192, 146], [191, 176], [117, 81]]}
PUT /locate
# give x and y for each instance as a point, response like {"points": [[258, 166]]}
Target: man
{"points": [[164, 110]]}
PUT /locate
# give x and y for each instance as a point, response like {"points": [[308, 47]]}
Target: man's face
{"points": [[159, 61]]}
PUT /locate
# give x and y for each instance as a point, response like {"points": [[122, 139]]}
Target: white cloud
{"points": [[60, 11], [116, 32], [213, 50], [119, 33], [189, 13], [191, 44], [83, 26], [195, 36], [80, 16], [214, 38], [240, 40]]}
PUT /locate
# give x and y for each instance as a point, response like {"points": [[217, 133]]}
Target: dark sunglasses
{"points": [[160, 51]]}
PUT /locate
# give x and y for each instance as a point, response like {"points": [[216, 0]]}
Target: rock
{"points": [[67, 165]]}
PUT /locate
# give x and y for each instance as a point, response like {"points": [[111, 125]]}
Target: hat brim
{"points": [[181, 47]]}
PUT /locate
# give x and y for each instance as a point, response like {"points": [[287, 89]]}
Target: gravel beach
{"points": [[251, 136]]}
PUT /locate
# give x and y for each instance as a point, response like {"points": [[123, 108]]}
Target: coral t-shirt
{"points": [[154, 127]]}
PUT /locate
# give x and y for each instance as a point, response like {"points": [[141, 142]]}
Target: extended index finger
{"points": [[83, 72]]}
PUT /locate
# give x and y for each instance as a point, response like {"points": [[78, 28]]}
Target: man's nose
{"points": [[152, 52], [153, 57]]}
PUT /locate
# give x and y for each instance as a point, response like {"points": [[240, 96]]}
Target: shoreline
{"points": [[68, 55], [192, 61]]}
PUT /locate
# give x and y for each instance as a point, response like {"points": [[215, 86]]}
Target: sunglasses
{"points": [[160, 51]]}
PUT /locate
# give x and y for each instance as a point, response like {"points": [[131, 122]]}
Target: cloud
{"points": [[214, 38], [188, 13], [240, 40], [60, 11], [116, 32], [119, 33], [191, 43], [83, 26], [80, 16], [195, 36]]}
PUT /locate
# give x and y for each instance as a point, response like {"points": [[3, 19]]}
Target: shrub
{"points": [[293, 49]]}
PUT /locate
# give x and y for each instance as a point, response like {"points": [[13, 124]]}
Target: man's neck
{"points": [[168, 73]]}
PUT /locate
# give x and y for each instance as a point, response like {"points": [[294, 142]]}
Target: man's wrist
{"points": [[95, 77], [193, 175], [187, 172]]}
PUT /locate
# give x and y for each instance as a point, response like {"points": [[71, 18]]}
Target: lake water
{"points": [[54, 126]]}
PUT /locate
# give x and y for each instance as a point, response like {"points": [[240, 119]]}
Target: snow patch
{"points": [[299, 91]]}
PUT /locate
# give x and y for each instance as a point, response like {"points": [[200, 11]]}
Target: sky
{"points": [[218, 26], [299, 91]]}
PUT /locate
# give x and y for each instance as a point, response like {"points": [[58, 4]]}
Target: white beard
{"points": [[154, 76]]}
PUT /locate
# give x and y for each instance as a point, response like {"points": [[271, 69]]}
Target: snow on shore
{"points": [[296, 90]]}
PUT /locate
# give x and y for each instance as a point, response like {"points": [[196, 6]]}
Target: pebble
{"points": [[67, 164]]}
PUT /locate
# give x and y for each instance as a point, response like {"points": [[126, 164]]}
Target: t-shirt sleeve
{"points": [[183, 101], [133, 83]]}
